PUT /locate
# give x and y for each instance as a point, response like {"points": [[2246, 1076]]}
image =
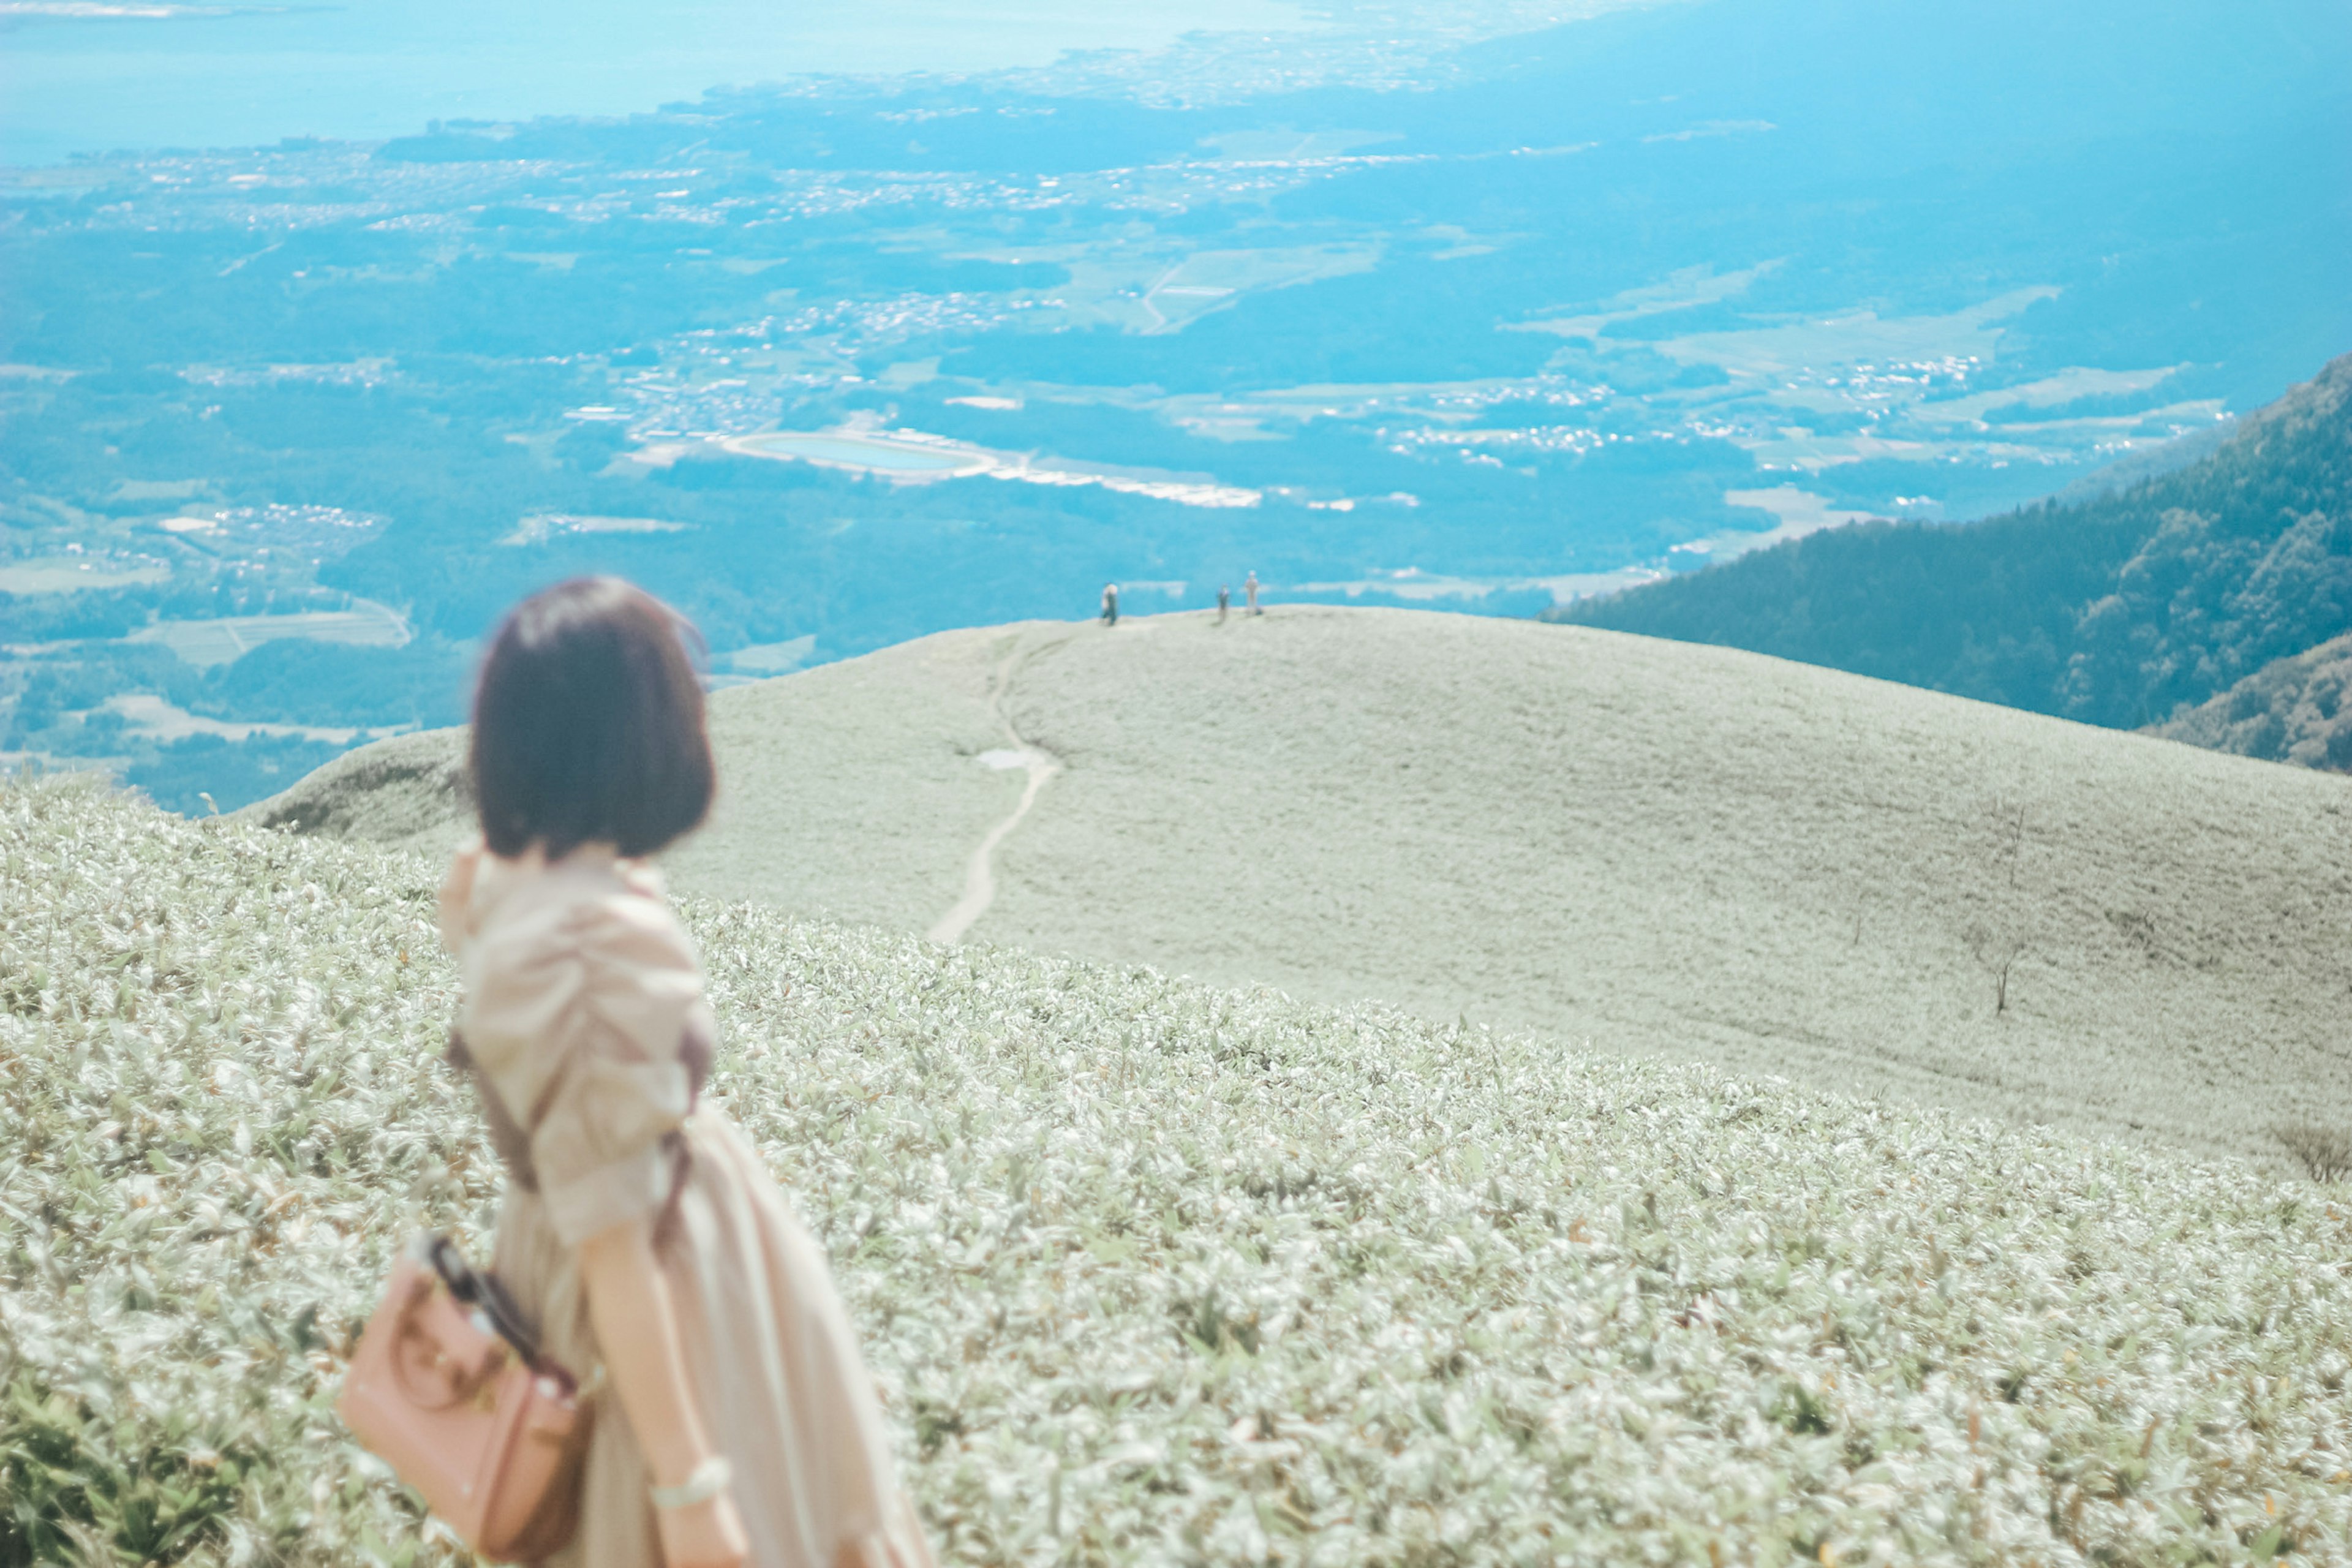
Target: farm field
{"points": [[863, 453], [223, 639], [1651, 848], [1148, 1270], [64, 575], [153, 717]]}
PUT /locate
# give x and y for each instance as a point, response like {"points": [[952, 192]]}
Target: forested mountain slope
{"points": [[2123, 610], [2293, 709]]}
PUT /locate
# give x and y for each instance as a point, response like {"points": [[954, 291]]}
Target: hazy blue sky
{"points": [[221, 75]]}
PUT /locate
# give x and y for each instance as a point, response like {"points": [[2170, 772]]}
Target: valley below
{"points": [[1475, 309]]}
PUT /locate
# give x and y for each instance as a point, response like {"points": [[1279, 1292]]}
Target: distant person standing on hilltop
{"points": [[1110, 605], [1224, 601], [1249, 590]]}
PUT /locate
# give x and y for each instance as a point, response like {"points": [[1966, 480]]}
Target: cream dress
{"points": [[579, 985]]}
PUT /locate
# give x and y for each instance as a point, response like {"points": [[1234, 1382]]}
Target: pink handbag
{"points": [[447, 1388]]}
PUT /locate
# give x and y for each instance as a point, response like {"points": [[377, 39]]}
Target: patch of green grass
{"points": [[1148, 1272]]}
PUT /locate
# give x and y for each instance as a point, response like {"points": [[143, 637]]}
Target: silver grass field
{"points": [[1148, 1272]]}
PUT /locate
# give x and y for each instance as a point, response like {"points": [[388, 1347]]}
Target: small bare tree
{"points": [[1998, 955], [2326, 1151], [2008, 827]]}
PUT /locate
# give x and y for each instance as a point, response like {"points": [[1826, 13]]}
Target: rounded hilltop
{"points": [[1655, 848]]}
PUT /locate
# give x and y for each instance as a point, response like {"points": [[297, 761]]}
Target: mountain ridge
{"points": [[2123, 610]]}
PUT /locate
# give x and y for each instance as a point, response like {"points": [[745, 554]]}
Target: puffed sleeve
{"points": [[580, 1024]]}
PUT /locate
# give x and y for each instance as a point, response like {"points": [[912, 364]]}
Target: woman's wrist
{"points": [[713, 1475]]}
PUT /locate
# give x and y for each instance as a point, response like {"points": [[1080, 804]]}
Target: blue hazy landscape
{"points": [[100, 77], [328, 331]]}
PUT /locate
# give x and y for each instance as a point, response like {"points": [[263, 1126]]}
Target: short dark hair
{"points": [[588, 724]]}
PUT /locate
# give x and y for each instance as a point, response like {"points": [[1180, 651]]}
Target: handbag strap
{"points": [[512, 1139], [487, 1294], [694, 1049]]}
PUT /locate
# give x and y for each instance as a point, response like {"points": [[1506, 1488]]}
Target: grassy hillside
{"points": [[1653, 847], [1148, 1272], [2120, 610]]}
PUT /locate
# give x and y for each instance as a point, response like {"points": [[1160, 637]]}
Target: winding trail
{"points": [[980, 871]]}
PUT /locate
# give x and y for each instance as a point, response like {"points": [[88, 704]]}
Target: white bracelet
{"points": [[710, 1478]]}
